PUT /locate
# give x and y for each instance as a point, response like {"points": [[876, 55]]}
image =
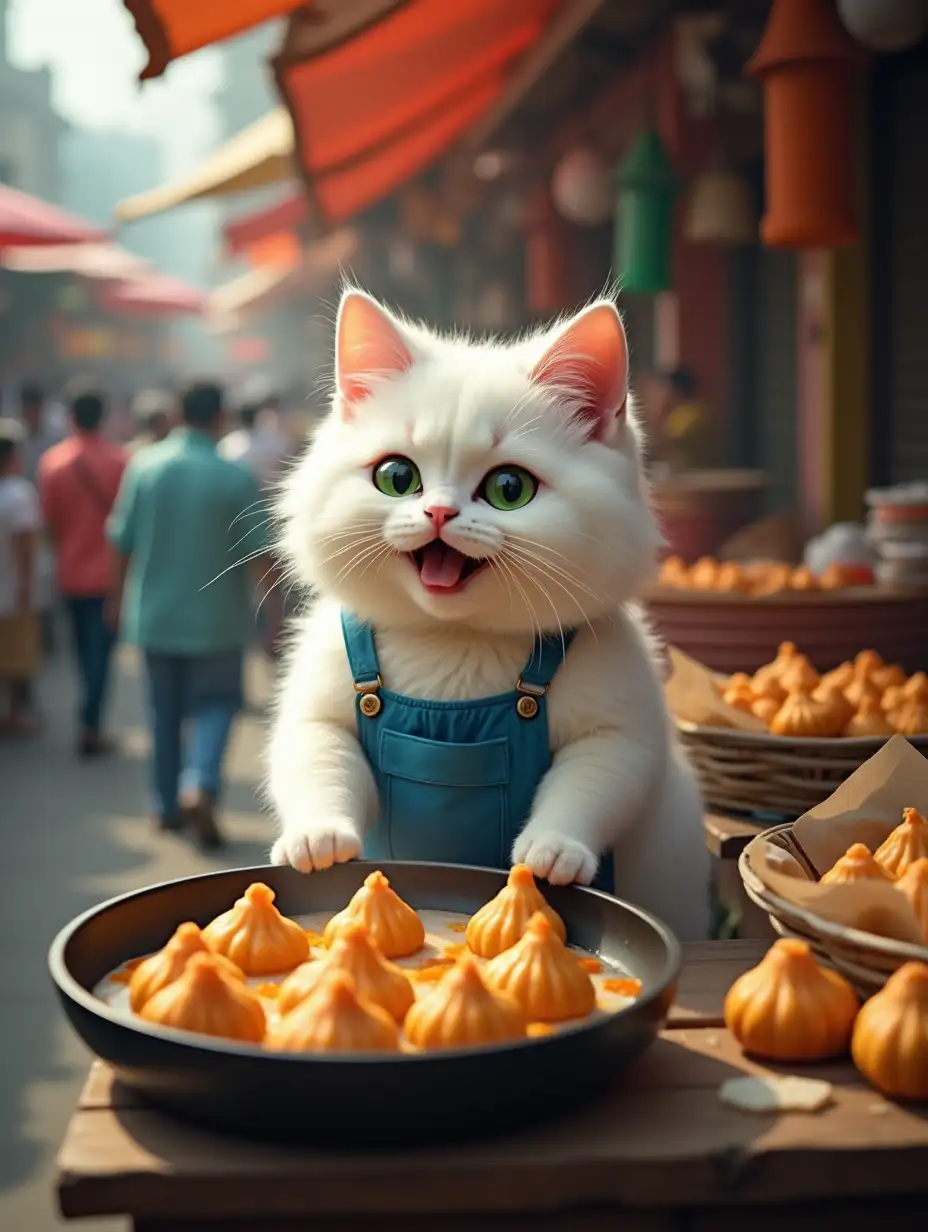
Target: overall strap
{"points": [[361, 652], [547, 655]]}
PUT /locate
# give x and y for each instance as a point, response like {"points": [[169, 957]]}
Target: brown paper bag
{"points": [[692, 697], [864, 809]]}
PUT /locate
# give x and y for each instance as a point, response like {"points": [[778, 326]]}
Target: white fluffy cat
{"points": [[574, 556]]}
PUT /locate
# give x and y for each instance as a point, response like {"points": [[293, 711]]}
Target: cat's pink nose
{"points": [[440, 514]]}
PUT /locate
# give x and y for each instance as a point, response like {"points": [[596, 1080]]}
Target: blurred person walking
{"points": [[257, 442], [20, 527], [153, 412], [185, 524], [78, 481], [42, 432]]}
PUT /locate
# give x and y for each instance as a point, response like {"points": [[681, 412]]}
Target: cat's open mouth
{"points": [[443, 570]]}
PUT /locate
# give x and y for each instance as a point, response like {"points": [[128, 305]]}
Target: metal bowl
{"points": [[351, 1100]]}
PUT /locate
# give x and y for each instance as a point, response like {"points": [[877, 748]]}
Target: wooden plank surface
{"points": [[659, 1140], [727, 837]]}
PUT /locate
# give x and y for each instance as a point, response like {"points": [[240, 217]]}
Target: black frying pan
{"points": [[359, 1100]]}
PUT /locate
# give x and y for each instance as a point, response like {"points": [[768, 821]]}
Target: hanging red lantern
{"points": [[808, 64], [546, 267]]}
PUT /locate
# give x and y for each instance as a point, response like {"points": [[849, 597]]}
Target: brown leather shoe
{"points": [[198, 810]]}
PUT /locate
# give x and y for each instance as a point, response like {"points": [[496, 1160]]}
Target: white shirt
{"points": [[264, 450], [19, 511]]}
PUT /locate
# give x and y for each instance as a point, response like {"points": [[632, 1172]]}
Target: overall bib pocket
{"points": [[444, 802]]}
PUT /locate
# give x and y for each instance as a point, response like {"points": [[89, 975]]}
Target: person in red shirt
{"points": [[78, 481]]}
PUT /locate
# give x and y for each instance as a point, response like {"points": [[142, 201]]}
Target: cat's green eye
{"points": [[397, 476], [509, 487]]}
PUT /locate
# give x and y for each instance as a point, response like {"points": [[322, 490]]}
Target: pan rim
{"points": [[69, 986]]}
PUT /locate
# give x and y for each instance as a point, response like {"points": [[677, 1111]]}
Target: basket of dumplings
{"points": [[851, 875], [777, 742]]}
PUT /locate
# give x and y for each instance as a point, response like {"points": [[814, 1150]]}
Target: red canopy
{"points": [[244, 232], [173, 28], [371, 111], [26, 220], [156, 295]]}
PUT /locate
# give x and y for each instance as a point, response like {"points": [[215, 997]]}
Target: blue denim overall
{"points": [[455, 780]]}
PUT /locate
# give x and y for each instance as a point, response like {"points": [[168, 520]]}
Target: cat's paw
{"points": [[317, 847], [555, 857]]}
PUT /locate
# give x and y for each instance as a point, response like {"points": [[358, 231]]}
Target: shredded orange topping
{"points": [[314, 938], [624, 987], [430, 970], [455, 950], [457, 928], [267, 990], [535, 1030], [591, 965]]}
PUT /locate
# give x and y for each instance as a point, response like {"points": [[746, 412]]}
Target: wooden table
{"points": [[658, 1153]]}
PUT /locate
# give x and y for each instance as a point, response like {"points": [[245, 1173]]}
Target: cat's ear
{"points": [[369, 346], [586, 366]]}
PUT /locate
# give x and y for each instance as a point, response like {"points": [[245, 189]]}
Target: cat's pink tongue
{"points": [[441, 565]]}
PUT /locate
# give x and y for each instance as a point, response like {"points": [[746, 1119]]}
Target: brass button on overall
{"points": [[369, 703], [527, 707]]}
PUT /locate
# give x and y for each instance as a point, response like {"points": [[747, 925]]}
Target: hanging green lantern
{"points": [[647, 188]]}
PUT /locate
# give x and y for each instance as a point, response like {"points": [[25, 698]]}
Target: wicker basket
{"points": [[773, 777], [865, 959], [735, 633]]}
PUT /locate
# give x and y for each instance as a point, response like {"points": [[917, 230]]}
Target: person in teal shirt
{"points": [[185, 525]]}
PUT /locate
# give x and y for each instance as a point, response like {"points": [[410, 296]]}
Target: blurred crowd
{"points": [[159, 533]]}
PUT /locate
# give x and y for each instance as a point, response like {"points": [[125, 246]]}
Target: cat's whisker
{"points": [[526, 567], [248, 508], [554, 570], [355, 544], [256, 555], [369, 553], [535, 626], [257, 526]]}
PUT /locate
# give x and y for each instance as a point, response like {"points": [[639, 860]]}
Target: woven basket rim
{"points": [[826, 929], [761, 740]]}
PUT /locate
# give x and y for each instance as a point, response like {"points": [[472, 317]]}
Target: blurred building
{"points": [[31, 130]]}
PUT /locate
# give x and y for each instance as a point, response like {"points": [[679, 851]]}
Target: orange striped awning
{"points": [[173, 28], [373, 110]]}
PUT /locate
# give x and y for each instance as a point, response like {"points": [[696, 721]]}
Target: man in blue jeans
{"points": [[185, 525], [78, 480]]}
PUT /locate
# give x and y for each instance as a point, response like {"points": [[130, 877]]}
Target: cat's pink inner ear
{"points": [[587, 365], [368, 347]]}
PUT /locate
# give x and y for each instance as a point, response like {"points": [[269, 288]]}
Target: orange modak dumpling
{"points": [[910, 719], [542, 975], [501, 922], [376, 978], [770, 673], [841, 710], [839, 677], [673, 572], [461, 1012], [907, 843], [803, 579], [255, 936], [861, 688], [802, 715], [206, 999], [893, 698], [869, 720], [164, 967], [890, 1041], [704, 574], [392, 925], [890, 676], [914, 885], [788, 1008], [857, 864], [764, 708], [739, 698], [915, 688], [334, 1018], [799, 676], [731, 577]]}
